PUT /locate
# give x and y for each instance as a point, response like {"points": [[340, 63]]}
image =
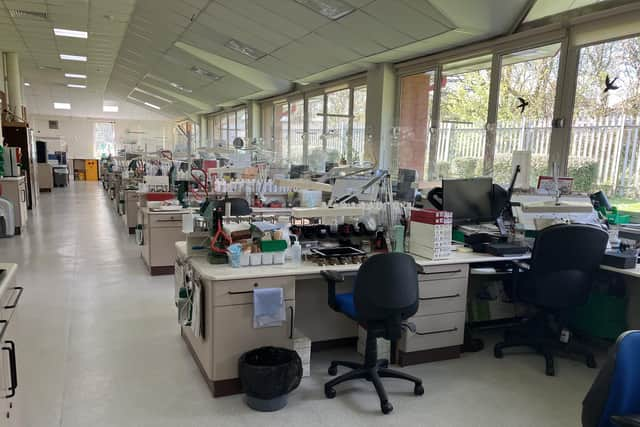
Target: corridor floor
{"points": [[99, 345]]}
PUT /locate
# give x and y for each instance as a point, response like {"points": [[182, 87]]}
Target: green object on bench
{"points": [[273, 245]]}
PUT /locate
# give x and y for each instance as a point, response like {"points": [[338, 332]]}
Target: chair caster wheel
{"points": [[333, 370], [386, 407], [497, 352], [418, 390], [550, 371], [591, 362], [329, 392]]}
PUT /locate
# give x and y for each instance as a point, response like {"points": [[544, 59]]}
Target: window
{"points": [[338, 121], [104, 139], [297, 136], [464, 106], [315, 123], [329, 125], [525, 110], [414, 149], [225, 127], [605, 137], [357, 131], [281, 130]]}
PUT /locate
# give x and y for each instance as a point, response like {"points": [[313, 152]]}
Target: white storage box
{"points": [[302, 345]]}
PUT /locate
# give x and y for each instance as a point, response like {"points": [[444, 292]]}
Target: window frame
{"points": [[353, 83]]}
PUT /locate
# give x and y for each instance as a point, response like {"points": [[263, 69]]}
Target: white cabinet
{"points": [[45, 177], [161, 231], [14, 189], [440, 320], [228, 332]]}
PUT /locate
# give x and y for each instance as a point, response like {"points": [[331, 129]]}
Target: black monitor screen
{"points": [[468, 199]]}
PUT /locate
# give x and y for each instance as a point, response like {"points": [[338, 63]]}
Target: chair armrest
{"points": [[626, 420], [332, 277], [518, 268]]}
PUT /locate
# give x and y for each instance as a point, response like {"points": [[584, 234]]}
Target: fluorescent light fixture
{"points": [[137, 89], [75, 76], [205, 73], [110, 108], [77, 58], [77, 86], [180, 87], [244, 49], [27, 84], [148, 104], [167, 82], [61, 32], [62, 106], [332, 9]]}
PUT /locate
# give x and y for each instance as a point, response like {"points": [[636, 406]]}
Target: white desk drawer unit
{"points": [[439, 322], [227, 307]]}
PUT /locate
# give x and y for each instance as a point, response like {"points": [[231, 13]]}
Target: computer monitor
{"points": [[468, 199]]}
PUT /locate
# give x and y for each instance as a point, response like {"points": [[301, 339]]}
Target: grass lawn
{"points": [[625, 205]]}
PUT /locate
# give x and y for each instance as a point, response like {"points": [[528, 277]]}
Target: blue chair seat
{"points": [[346, 304]]}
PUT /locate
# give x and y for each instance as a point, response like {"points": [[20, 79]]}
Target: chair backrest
{"points": [[386, 287], [563, 262], [616, 389]]}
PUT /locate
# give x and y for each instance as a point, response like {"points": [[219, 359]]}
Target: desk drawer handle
{"points": [[4, 324], [12, 365], [445, 272], [442, 297], [20, 290], [168, 220], [443, 331], [239, 292], [292, 320]]}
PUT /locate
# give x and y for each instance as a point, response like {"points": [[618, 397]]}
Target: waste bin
{"points": [[60, 177], [268, 375]]}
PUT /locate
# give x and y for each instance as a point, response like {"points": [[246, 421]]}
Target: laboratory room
{"points": [[320, 213]]}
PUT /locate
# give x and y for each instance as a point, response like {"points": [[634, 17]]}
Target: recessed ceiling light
{"points": [[61, 32], [27, 84], [75, 76], [332, 9], [62, 106], [110, 108], [244, 49], [77, 58], [148, 104], [167, 82], [205, 73], [77, 86]]}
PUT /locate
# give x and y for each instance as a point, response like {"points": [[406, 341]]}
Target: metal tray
{"points": [[338, 252]]}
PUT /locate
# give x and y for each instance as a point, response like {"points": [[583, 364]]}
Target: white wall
{"points": [[77, 133]]}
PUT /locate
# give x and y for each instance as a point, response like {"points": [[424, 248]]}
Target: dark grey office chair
{"points": [[385, 294], [559, 277]]}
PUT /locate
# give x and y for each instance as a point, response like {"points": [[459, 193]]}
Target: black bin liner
{"points": [[270, 372]]}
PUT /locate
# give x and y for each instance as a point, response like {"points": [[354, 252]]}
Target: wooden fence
{"points": [[613, 142]]}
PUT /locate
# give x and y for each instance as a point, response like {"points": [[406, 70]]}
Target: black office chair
{"points": [[558, 279], [385, 294]]}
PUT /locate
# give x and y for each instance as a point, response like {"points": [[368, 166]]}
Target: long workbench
{"points": [[225, 330]]}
